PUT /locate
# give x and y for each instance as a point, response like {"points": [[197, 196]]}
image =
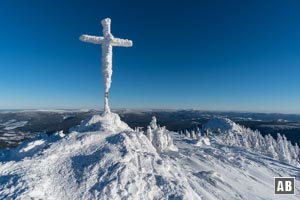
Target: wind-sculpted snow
{"points": [[112, 161]]}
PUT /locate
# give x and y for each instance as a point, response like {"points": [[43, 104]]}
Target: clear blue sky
{"points": [[211, 55]]}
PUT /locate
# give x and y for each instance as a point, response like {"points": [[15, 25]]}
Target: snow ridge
{"points": [[105, 159], [233, 134]]}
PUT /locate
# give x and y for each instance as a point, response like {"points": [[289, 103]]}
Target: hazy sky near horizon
{"points": [[211, 55]]}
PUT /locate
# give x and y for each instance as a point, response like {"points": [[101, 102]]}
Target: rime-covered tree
{"points": [[149, 133], [193, 134], [159, 137], [270, 149], [187, 134]]}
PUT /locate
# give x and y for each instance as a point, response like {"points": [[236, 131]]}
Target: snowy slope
{"points": [[104, 159], [223, 172], [13, 124]]}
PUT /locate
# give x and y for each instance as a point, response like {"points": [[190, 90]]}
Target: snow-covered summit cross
{"points": [[107, 42]]}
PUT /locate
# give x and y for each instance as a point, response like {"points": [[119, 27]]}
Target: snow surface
{"points": [[104, 159], [13, 124]]}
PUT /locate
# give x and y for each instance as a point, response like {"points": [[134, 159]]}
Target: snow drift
{"points": [[105, 159], [220, 124]]}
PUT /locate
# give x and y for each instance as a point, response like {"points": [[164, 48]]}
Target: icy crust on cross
{"points": [[107, 41]]}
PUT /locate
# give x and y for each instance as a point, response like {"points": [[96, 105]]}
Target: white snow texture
{"points": [[103, 158], [13, 124]]}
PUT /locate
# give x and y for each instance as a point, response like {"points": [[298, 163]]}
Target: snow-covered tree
{"points": [[193, 134], [297, 150], [187, 134], [280, 149], [292, 151], [153, 123], [149, 133], [288, 158], [270, 149], [159, 137], [198, 133], [198, 130]]}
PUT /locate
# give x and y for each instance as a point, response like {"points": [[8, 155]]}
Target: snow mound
{"points": [[106, 122], [219, 124], [203, 141]]}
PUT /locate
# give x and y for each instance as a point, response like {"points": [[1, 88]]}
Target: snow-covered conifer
{"points": [[187, 134], [193, 135], [149, 133], [270, 149], [153, 123], [159, 137], [297, 150]]}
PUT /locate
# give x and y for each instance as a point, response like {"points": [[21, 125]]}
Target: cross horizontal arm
{"points": [[121, 42], [91, 39]]}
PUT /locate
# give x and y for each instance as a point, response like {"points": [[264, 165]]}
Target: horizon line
{"points": [[145, 109]]}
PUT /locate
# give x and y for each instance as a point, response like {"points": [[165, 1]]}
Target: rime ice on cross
{"points": [[107, 42]]}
